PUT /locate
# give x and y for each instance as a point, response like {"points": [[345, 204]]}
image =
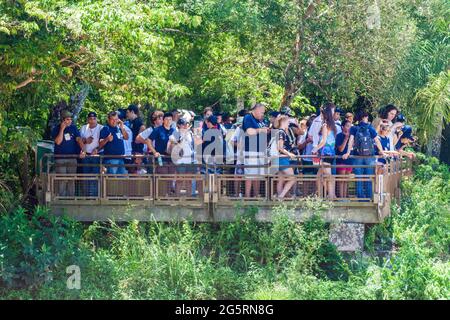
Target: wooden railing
{"points": [[210, 184]]}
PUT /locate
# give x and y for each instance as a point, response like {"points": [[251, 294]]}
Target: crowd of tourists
{"points": [[252, 143]]}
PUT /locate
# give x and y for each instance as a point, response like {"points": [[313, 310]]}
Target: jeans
{"points": [[91, 186], [120, 169], [364, 188]]}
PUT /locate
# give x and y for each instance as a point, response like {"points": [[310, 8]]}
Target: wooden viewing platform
{"points": [[170, 197]]}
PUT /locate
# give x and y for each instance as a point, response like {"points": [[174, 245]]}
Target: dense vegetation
{"points": [[101, 54], [406, 257], [98, 55]]}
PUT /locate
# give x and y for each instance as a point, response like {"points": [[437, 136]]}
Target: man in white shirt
{"points": [[314, 130], [337, 119], [127, 143], [90, 135], [182, 150]]}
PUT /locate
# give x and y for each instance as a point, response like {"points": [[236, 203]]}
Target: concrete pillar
{"points": [[347, 236]]}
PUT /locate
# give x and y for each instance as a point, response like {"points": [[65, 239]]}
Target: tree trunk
{"points": [[288, 95], [75, 106], [293, 72], [240, 103], [434, 144], [445, 145], [23, 171], [76, 102]]}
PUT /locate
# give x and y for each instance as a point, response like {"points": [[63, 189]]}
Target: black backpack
{"points": [[364, 142]]}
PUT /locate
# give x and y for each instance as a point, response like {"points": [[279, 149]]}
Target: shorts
{"points": [[185, 168], [328, 160], [255, 159], [284, 163], [309, 170], [344, 170]]}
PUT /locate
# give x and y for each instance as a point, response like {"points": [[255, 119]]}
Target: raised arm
{"points": [[379, 146], [59, 137], [323, 141], [350, 147], [341, 148]]}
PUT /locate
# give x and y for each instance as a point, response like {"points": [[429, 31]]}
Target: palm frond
{"points": [[433, 104]]}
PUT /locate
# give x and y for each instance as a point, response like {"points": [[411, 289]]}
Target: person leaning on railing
{"points": [[362, 137], [326, 147], [306, 146], [160, 138], [156, 120], [67, 142], [90, 135], [282, 155], [182, 150], [385, 152], [255, 145], [405, 140], [342, 139]]}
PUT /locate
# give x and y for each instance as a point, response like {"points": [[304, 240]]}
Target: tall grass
{"points": [[243, 259]]}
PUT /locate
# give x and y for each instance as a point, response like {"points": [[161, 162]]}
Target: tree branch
{"points": [[72, 64]]}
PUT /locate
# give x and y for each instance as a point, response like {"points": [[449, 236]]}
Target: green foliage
{"points": [[433, 103], [189, 54], [406, 256], [33, 246], [418, 267]]}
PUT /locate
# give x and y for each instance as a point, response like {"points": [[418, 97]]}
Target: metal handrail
{"points": [[209, 175]]}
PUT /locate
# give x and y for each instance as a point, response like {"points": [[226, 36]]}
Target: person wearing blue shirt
{"points": [[342, 139], [67, 142], [160, 139], [207, 112], [363, 188], [384, 147], [385, 143], [255, 144], [112, 138], [136, 125]]}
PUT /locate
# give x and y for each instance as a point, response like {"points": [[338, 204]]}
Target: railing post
{"points": [[102, 193], [321, 192]]}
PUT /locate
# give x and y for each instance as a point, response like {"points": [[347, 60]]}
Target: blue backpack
{"points": [[364, 142]]}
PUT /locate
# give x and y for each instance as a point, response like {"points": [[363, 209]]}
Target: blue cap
{"points": [[212, 119], [122, 113], [407, 133], [338, 109], [400, 118]]}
